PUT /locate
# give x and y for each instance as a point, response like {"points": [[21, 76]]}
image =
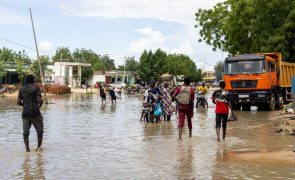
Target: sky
{"points": [[119, 28]]}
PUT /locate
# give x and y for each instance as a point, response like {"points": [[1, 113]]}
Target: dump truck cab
{"points": [[253, 79]]}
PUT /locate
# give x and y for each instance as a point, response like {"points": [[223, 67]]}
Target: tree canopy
{"points": [[62, 54], [152, 65], [249, 26], [34, 68], [130, 64], [2, 69], [107, 62], [218, 70], [9, 55]]}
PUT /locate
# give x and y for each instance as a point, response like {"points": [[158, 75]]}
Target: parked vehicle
{"points": [[201, 100], [7, 89], [261, 79], [118, 85], [215, 84]]}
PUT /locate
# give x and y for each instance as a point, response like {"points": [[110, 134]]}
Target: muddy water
{"points": [[86, 140]]}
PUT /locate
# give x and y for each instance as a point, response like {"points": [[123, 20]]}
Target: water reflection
{"points": [[33, 166], [185, 169], [86, 139]]}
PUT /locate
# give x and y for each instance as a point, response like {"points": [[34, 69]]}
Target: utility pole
{"points": [[38, 59]]}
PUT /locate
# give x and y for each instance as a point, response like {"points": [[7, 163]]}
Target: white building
{"points": [[61, 73]]}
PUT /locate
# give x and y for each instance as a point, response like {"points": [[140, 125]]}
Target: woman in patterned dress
{"points": [[166, 102]]}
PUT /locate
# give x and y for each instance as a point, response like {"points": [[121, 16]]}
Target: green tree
{"points": [[87, 56], [23, 57], [62, 54], [34, 68], [249, 26], [130, 64], [199, 76], [21, 70], [180, 64], [218, 70], [152, 65], [2, 69], [108, 63], [7, 55]]}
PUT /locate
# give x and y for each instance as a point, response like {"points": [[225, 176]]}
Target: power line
{"points": [[24, 46]]}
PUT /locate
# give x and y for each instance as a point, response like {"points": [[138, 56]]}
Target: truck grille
{"points": [[244, 84]]}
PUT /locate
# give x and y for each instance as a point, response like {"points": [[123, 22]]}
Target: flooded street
{"points": [[84, 139]]}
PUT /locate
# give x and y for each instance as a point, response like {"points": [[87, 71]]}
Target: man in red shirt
{"points": [[222, 100], [185, 98]]}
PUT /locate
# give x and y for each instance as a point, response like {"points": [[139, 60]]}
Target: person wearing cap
{"points": [[29, 97]]}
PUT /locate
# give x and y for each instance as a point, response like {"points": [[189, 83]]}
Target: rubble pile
{"points": [[56, 89], [287, 126]]}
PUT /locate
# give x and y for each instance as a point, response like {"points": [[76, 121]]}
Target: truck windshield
{"points": [[244, 67]]}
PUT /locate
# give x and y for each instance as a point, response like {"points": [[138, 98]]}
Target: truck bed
{"points": [[287, 70]]}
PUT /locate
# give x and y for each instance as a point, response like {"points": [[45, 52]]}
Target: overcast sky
{"points": [[115, 27]]}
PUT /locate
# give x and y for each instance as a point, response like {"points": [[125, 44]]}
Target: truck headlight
{"points": [[261, 95]]}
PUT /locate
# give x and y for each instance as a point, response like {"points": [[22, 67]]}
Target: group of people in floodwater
{"points": [[157, 102]]}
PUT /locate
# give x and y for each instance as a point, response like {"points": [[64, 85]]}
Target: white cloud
{"points": [[185, 48], [45, 45], [152, 40], [181, 11]]}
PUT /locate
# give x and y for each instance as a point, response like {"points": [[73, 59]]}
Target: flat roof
{"points": [[245, 57], [72, 64]]}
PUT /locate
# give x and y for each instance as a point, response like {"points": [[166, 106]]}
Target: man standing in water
{"points": [[185, 99], [30, 98], [222, 100]]}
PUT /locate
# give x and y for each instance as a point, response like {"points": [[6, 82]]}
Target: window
{"points": [[270, 66]]}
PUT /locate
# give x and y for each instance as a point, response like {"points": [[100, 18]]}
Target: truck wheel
{"points": [[279, 101], [272, 104], [246, 107], [236, 106]]}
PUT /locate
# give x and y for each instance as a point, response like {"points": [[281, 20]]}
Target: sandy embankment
{"points": [[15, 94], [277, 157]]}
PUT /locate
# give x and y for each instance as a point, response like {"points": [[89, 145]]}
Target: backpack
{"points": [[184, 96]]}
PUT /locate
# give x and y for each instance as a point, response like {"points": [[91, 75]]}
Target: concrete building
{"points": [[98, 77], [11, 76], [62, 73], [208, 76], [114, 76]]}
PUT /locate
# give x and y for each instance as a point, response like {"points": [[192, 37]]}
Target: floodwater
{"points": [[87, 140]]}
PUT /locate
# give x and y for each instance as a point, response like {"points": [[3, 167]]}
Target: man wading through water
{"points": [[222, 100], [185, 99], [30, 98]]}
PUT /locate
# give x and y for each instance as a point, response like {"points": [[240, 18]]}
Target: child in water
{"points": [[113, 95], [145, 112]]}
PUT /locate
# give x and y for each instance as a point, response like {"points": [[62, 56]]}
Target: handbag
{"points": [[158, 110]]}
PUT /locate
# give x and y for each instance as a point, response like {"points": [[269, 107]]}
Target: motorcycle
{"points": [[7, 89], [201, 100]]}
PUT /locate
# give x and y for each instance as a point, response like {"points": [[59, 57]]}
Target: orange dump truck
{"points": [[261, 79]]}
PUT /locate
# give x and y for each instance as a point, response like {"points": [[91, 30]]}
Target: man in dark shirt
{"points": [[30, 98]]}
